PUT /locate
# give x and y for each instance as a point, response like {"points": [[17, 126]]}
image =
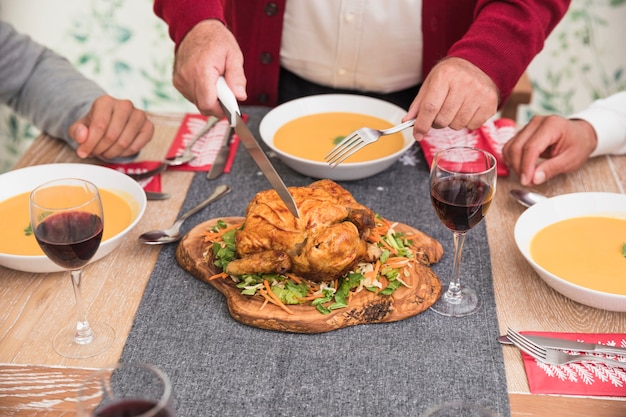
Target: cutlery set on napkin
{"points": [[572, 363], [213, 145]]}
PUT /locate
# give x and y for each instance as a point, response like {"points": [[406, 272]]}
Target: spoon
{"points": [[527, 198], [160, 237], [187, 154]]}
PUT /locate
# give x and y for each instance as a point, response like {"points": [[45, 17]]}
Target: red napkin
{"points": [[207, 147], [149, 184], [490, 137], [587, 379]]}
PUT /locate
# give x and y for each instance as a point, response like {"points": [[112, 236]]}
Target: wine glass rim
{"points": [[489, 155], [48, 184], [165, 397]]}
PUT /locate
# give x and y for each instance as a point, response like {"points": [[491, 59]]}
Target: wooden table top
{"points": [[35, 305]]}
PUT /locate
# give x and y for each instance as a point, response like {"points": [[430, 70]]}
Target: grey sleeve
{"points": [[41, 85]]}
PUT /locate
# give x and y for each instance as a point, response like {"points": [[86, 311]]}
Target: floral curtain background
{"points": [[125, 48]]}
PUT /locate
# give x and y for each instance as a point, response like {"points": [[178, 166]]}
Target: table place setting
{"points": [[602, 373], [421, 364], [198, 143], [398, 368]]}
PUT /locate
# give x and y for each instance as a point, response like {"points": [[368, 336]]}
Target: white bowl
{"points": [[326, 103], [26, 179], [564, 207]]}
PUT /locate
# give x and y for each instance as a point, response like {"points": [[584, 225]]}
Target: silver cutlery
{"points": [[217, 168], [554, 356], [566, 344], [231, 108], [187, 154], [153, 195], [358, 139], [182, 158], [527, 198], [160, 237]]}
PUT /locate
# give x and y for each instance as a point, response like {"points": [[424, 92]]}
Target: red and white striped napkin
{"points": [[587, 379], [490, 137]]}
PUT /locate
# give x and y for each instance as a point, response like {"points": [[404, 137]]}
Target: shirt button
{"points": [[271, 9], [263, 98], [342, 71], [266, 58], [349, 17]]}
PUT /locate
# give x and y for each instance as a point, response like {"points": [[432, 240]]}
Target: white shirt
{"points": [[354, 44], [608, 118]]}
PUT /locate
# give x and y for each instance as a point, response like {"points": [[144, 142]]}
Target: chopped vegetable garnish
{"points": [[383, 277]]}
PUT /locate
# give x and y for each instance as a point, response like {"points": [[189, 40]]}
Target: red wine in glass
{"points": [[67, 220], [462, 186], [461, 203], [70, 239], [131, 408]]}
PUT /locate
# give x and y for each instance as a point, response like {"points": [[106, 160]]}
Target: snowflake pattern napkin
{"points": [[490, 137], [587, 378], [207, 147]]}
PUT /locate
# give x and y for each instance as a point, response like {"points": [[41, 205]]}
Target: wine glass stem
{"points": [[84, 334], [454, 289]]}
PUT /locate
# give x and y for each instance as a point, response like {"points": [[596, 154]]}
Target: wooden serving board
{"points": [[365, 307]]}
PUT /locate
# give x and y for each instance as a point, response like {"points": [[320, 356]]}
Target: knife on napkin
{"points": [[222, 155], [556, 343], [231, 108]]}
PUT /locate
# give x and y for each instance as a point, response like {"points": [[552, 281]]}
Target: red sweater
{"points": [[500, 37]]}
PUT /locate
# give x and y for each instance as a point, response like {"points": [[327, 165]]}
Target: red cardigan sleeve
{"points": [[182, 15], [502, 39]]}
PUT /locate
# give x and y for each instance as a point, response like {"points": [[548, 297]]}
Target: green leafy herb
{"points": [[290, 292], [338, 139], [28, 230], [624, 250]]}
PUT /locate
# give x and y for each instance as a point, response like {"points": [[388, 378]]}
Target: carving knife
{"points": [[231, 108], [222, 155], [556, 343]]}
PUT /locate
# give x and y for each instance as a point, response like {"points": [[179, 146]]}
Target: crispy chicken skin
{"points": [[326, 242]]}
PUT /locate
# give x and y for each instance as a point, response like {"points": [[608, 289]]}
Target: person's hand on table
{"points": [[564, 144], [455, 94], [112, 129], [206, 52]]}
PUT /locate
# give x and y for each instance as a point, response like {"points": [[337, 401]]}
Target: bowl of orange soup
{"points": [[302, 131], [577, 244], [123, 201]]}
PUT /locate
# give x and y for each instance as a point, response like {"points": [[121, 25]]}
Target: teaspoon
{"points": [[527, 198], [160, 237]]}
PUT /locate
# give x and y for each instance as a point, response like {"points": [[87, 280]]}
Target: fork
{"points": [[554, 356], [358, 139]]}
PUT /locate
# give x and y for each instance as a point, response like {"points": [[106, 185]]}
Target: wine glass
{"points": [[128, 390], [67, 221], [462, 186]]}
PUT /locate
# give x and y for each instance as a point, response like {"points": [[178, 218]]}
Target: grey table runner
{"points": [[220, 367]]}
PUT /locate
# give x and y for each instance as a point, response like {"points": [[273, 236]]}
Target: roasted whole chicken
{"points": [[326, 242]]}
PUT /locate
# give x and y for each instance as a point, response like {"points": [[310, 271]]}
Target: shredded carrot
{"points": [[212, 236], [274, 298], [218, 275], [385, 244], [294, 278], [383, 280]]}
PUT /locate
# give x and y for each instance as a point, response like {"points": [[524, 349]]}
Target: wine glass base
{"points": [[66, 346], [468, 303], [459, 409]]}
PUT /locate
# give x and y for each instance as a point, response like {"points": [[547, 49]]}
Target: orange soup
{"points": [[311, 137], [586, 251], [17, 239]]}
